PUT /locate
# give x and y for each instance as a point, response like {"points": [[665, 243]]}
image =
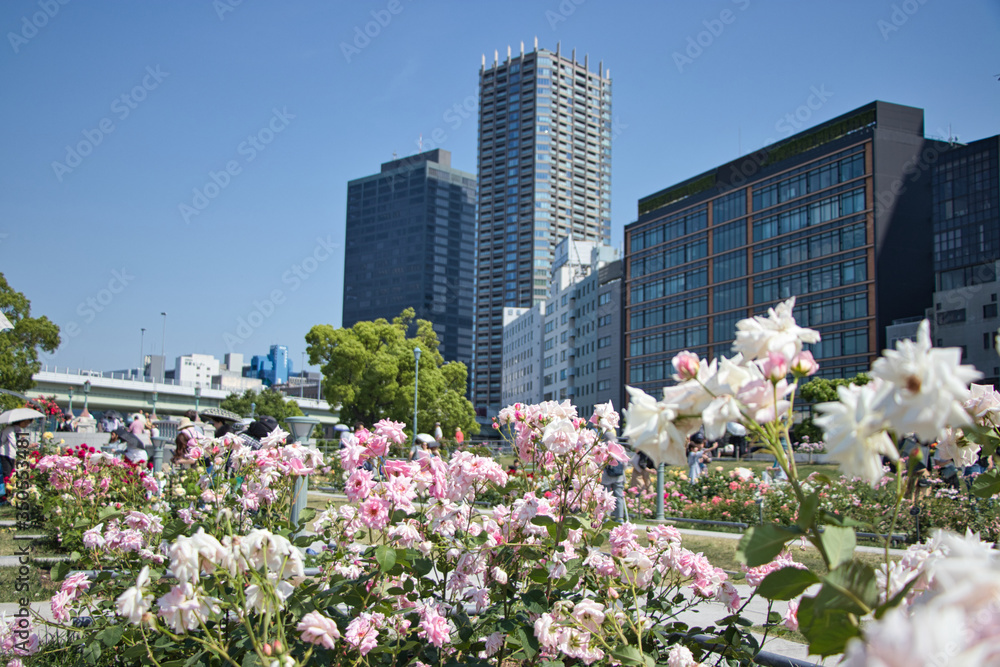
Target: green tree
{"points": [[369, 370], [270, 402], [19, 346], [821, 390]]}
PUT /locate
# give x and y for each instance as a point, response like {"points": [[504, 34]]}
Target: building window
{"points": [[729, 296], [604, 342], [603, 362], [729, 206], [951, 316], [729, 236], [603, 385], [988, 338], [989, 310], [727, 267]]}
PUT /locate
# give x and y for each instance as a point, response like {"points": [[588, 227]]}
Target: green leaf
{"points": [[422, 566], [807, 511], [194, 659], [112, 634], [829, 517], [773, 617], [821, 479], [136, 651], [386, 557], [987, 484], [851, 588], [786, 583], [534, 601], [529, 643], [839, 543], [628, 655], [60, 570], [827, 630], [92, 652], [760, 544]]}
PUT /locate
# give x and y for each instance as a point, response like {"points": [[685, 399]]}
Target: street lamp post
{"points": [[71, 415], [416, 390], [301, 428], [659, 491], [142, 342], [163, 342], [197, 398], [86, 399], [152, 417]]}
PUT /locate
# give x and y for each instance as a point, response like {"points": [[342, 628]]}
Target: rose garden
{"points": [[457, 562]]}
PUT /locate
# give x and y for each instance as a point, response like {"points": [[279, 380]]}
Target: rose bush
{"points": [[410, 571]]}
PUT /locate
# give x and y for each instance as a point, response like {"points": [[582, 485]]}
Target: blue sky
{"points": [[216, 139]]}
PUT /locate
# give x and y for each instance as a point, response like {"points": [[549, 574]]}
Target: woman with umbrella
{"points": [[17, 420]]}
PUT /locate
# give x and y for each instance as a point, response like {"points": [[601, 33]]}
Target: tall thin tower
{"points": [[544, 173]]}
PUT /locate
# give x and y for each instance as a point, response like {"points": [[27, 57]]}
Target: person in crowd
{"points": [[459, 437], [193, 417], [613, 479], [694, 459], [135, 450], [66, 424], [438, 433], [642, 466], [8, 447]]}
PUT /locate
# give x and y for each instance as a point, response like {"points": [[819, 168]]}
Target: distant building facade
{"points": [[522, 354], [195, 369], [966, 216], [569, 348], [410, 243], [272, 369], [837, 215]]}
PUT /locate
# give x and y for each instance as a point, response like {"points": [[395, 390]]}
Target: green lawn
{"points": [[9, 546], [721, 552], [40, 584]]}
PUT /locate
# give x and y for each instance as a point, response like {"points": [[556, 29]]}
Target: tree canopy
{"points": [[19, 347], [270, 402], [821, 390], [369, 370]]}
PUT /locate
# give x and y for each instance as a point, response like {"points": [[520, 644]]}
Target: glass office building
{"points": [[837, 216], [544, 174], [410, 243]]}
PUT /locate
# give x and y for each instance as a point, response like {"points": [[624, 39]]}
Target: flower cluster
{"points": [[751, 386], [917, 389], [951, 607]]}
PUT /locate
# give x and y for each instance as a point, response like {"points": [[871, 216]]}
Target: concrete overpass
{"points": [[127, 394]]}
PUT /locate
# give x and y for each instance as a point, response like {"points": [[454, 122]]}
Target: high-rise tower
{"points": [[544, 174]]}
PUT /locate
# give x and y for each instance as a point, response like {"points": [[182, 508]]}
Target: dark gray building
{"points": [[838, 215], [544, 174], [411, 243], [966, 215]]}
